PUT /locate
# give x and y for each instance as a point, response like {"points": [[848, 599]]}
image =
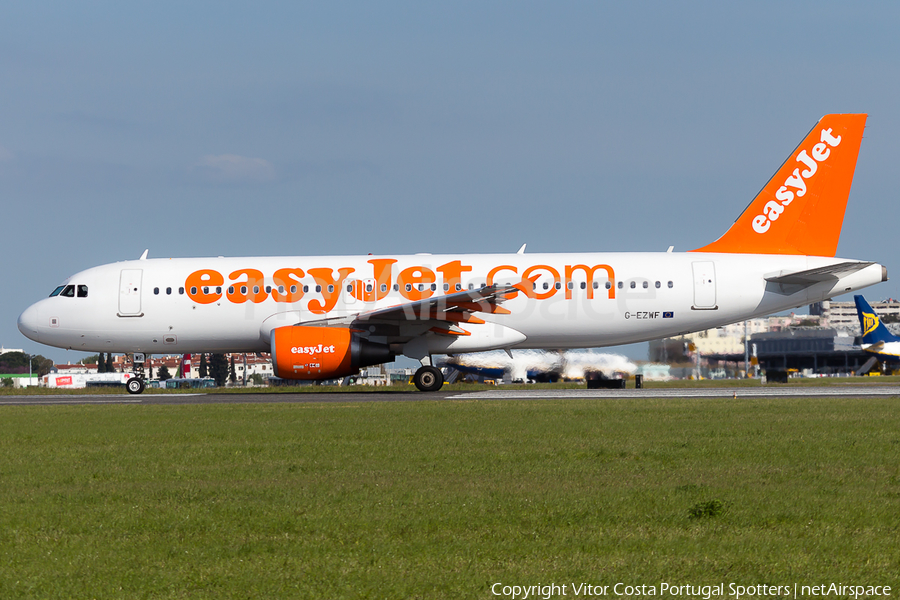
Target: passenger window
{"points": [[396, 288], [350, 287], [670, 284], [231, 289], [657, 285], [633, 285], [294, 289], [330, 289], [546, 286], [305, 288], [646, 284], [168, 291], [621, 285], [68, 291], [368, 287], [584, 285], [218, 289], [205, 289], [408, 287], [181, 291], [268, 289], [82, 291], [156, 291], [383, 287], [243, 290], [433, 287], [255, 289], [558, 285], [471, 286], [318, 288]]}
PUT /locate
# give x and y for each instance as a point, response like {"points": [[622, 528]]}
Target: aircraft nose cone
{"points": [[28, 322]]}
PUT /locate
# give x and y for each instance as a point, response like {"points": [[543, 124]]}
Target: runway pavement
{"points": [[406, 395]]}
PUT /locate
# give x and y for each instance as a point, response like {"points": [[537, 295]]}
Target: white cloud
{"points": [[231, 168]]}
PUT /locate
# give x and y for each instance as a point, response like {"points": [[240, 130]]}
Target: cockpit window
{"points": [[68, 291], [82, 291], [57, 291]]}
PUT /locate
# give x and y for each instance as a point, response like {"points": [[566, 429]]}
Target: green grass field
{"points": [[443, 499]]}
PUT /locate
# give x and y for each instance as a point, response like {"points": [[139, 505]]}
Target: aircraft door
{"points": [[704, 285], [130, 293]]}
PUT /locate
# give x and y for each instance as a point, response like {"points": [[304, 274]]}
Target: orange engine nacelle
{"points": [[301, 352]]}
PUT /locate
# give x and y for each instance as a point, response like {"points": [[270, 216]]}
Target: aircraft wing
{"points": [[441, 314], [484, 299], [791, 283]]}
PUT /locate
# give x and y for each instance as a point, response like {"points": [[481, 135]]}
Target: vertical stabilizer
{"points": [[801, 209], [873, 330]]}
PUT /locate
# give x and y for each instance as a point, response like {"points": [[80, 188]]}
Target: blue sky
{"points": [[203, 129]]}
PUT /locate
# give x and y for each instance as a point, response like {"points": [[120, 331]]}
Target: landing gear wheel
{"points": [[428, 379], [135, 385]]}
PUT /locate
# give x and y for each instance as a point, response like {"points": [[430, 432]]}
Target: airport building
{"points": [[842, 315], [825, 342]]}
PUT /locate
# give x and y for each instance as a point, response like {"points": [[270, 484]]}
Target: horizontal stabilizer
{"points": [[813, 276]]}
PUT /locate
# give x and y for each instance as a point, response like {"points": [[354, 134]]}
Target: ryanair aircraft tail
{"points": [[873, 330], [801, 209]]}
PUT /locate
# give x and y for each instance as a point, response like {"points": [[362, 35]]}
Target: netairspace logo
{"points": [[706, 592]]}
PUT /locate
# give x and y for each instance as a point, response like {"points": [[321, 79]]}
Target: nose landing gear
{"points": [[136, 384]]}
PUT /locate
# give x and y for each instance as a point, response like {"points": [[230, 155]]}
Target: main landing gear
{"points": [[136, 385], [428, 378]]}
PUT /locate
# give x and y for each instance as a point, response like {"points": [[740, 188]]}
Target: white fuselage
{"points": [[151, 305]]}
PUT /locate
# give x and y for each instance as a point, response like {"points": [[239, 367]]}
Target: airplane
{"points": [[539, 365], [326, 317], [876, 339]]}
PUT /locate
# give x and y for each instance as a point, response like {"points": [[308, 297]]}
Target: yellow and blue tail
{"points": [[873, 330]]}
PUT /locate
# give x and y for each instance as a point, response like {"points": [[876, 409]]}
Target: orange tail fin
{"points": [[801, 209]]}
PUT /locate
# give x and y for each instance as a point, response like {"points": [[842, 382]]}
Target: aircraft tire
{"points": [[135, 385], [428, 379]]}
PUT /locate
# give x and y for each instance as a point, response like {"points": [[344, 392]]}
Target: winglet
{"points": [[801, 209], [873, 330]]}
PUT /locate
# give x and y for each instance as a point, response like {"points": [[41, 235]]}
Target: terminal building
{"points": [[824, 342]]}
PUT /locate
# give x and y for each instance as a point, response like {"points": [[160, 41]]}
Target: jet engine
{"points": [[302, 352]]}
